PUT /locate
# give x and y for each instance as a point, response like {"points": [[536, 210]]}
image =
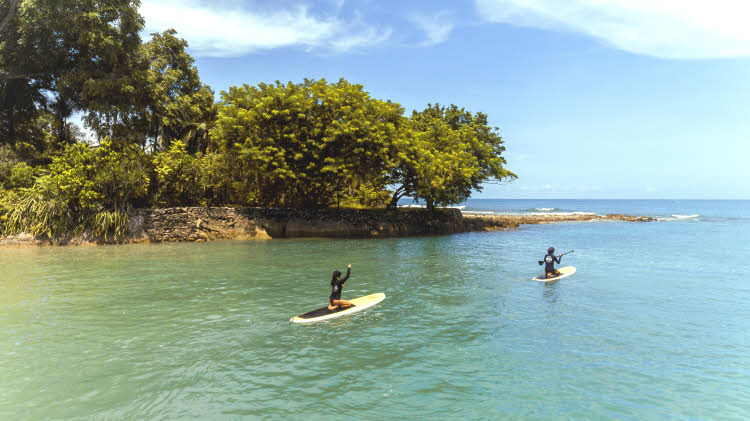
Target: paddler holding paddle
{"points": [[549, 263]]}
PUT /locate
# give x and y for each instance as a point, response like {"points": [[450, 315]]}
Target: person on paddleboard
{"points": [[337, 284], [549, 263]]}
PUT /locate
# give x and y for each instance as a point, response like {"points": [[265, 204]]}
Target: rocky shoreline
{"points": [[206, 224]]}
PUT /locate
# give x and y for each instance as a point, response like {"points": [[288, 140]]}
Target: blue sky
{"points": [[606, 99]]}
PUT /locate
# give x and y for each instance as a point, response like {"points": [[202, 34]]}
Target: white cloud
{"points": [[227, 32], [662, 28], [650, 188], [436, 27], [368, 37]]}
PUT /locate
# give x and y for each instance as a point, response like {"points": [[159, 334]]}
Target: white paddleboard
{"points": [[324, 313], [564, 273]]}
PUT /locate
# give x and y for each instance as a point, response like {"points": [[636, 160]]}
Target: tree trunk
{"points": [[11, 12], [430, 204], [11, 127]]}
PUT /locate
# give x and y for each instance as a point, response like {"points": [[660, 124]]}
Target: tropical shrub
{"points": [[177, 177], [87, 188]]}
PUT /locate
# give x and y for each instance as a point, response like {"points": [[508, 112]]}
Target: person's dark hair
{"points": [[335, 277], [550, 250]]}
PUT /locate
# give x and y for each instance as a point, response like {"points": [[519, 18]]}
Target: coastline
{"points": [[196, 224]]}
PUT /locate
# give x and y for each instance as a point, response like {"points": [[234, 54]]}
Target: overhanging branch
{"points": [[11, 75]]}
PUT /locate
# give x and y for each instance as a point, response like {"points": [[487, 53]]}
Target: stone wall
{"points": [[201, 224], [204, 224]]}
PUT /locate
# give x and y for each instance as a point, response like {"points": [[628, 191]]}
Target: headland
{"points": [[216, 223]]}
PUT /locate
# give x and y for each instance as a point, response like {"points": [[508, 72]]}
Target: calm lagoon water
{"points": [[655, 324]]}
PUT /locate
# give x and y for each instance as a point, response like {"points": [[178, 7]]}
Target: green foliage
{"points": [[308, 144], [8, 160], [303, 144], [164, 100], [445, 155], [21, 176], [366, 196], [179, 179], [109, 224], [81, 53], [111, 175], [87, 188], [41, 211]]}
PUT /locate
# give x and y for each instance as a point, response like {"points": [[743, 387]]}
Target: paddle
{"points": [[541, 262]]}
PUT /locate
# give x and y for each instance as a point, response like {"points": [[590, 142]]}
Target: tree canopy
{"points": [[445, 154], [162, 139], [307, 144]]}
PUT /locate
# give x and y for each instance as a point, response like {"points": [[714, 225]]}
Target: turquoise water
{"points": [[655, 324]]}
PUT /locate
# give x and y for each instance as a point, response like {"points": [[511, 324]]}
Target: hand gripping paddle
{"points": [[541, 262]]}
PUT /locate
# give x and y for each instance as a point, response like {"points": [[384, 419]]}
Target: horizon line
{"points": [[590, 198]]}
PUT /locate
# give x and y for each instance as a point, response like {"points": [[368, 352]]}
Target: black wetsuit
{"points": [[338, 286], [549, 264]]}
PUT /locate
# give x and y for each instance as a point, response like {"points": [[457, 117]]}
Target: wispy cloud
{"points": [[216, 30], [437, 27], [662, 28]]}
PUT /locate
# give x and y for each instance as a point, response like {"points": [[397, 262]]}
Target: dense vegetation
{"points": [[161, 139]]}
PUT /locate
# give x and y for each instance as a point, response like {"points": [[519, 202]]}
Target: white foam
{"points": [[527, 213], [544, 209], [560, 213], [686, 216], [423, 206]]}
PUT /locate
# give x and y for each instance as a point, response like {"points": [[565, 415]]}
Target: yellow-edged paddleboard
{"points": [[564, 273], [324, 313]]}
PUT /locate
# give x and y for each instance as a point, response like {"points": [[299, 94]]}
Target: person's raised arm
{"points": [[348, 272]]}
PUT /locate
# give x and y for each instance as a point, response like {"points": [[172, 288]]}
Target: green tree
{"points": [[307, 144], [445, 154], [178, 177], [165, 99], [79, 52]]}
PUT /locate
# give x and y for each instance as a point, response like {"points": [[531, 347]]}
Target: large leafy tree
{"points": [[306, 144], [166, 99], [445, 154], [78, 52]]}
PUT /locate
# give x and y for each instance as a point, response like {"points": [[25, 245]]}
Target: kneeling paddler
{"points": [[337, 284]]}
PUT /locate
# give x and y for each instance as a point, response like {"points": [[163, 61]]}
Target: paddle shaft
{"points": [[541, 262]]}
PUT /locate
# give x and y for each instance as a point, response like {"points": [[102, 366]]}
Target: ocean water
{"points": [[655, 324]]}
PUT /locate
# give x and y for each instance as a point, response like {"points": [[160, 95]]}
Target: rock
{"points": [[203, 224]]}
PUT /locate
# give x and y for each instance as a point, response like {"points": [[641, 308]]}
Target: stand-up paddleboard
{"points": [[564, 273], [324, 313]]}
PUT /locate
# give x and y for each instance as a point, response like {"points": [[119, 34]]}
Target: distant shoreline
{"points": [[196, 224]]}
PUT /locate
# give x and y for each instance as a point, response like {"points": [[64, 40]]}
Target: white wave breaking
{"points": [[527, 213], [423, 206]]}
